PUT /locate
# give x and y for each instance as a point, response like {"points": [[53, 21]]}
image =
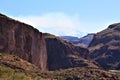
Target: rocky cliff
{"points": [[62, 54], [46, 51], [22, 40], [105, 47]]}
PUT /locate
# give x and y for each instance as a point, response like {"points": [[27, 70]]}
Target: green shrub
{"points": [[7, 73], [20, 76]]}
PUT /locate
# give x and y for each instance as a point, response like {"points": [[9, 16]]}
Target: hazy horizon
{"points": [[64, 17]]}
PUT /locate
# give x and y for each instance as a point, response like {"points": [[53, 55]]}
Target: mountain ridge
{"points": [[105, 47], [67, 54], [44, 50], [82, 42], [27, 54]]}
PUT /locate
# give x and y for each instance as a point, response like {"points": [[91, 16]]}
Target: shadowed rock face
{"points": [[44, 50], [105, 47], [22, 40], [62, 54]]}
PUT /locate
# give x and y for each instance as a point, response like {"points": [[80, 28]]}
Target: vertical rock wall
{"points": [[22, 40]]}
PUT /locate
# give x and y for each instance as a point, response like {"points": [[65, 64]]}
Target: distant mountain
{"points": [[27, 54], [105, 47], [46, 51], [83, 42], [69, 38]]}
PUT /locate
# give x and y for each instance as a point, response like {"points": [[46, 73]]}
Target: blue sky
{"points": [[64, 17]]}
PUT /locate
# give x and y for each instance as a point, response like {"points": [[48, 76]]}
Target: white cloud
{"points": [[62, 24], [55, 23]]}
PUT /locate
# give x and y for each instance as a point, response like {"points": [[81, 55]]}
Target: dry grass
{"points": [[79, 73]]}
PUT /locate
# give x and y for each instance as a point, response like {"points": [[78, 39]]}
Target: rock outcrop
{"points": [[22, 40], [105, 47], [44, 50], [62, 54]]}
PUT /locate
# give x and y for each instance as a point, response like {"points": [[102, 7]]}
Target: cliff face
{"points": [[22, 40], [62, 54], [105, 47], [44, 50]]}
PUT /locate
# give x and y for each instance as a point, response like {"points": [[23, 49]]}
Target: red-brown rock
{"points": [[22, 40]]}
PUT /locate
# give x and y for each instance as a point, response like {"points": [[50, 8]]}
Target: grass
{"points": [[14, 70], [7, 73], [20, 76]]}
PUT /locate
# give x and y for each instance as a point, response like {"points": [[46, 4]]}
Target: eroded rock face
{"points": [[105, 47], [22, 40], [44, 50], [63, 55]]}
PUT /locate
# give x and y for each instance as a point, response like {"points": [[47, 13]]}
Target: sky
{"points": [[64, 17]]}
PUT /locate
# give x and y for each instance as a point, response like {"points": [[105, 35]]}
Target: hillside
{"points": [[47, 52], [105, 47], [82, 42], [63, 54], [27, 54], [15, 68]]}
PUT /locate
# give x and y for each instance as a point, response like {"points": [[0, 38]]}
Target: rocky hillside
{"points": [[82, 42], [105, 47], [83, 73], [24, 52], [22, 40], [46, 51], [62, 54], [15, 68]]}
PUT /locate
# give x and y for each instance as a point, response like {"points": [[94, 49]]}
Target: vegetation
{"points": [[7, 73], [11, 69]]}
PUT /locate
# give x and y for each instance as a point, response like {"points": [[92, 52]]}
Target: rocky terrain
{"points": [[22, 40], [62, 54], [14, 68], [46, 51], [82, 42], [105, 47], [27, 54]]}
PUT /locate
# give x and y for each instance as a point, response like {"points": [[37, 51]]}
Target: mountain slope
{"points": [[22, 40], [62, 54], [69, 38], [82, 42], [105, 47], [47, 52], [24, 52], [15, 68]]}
